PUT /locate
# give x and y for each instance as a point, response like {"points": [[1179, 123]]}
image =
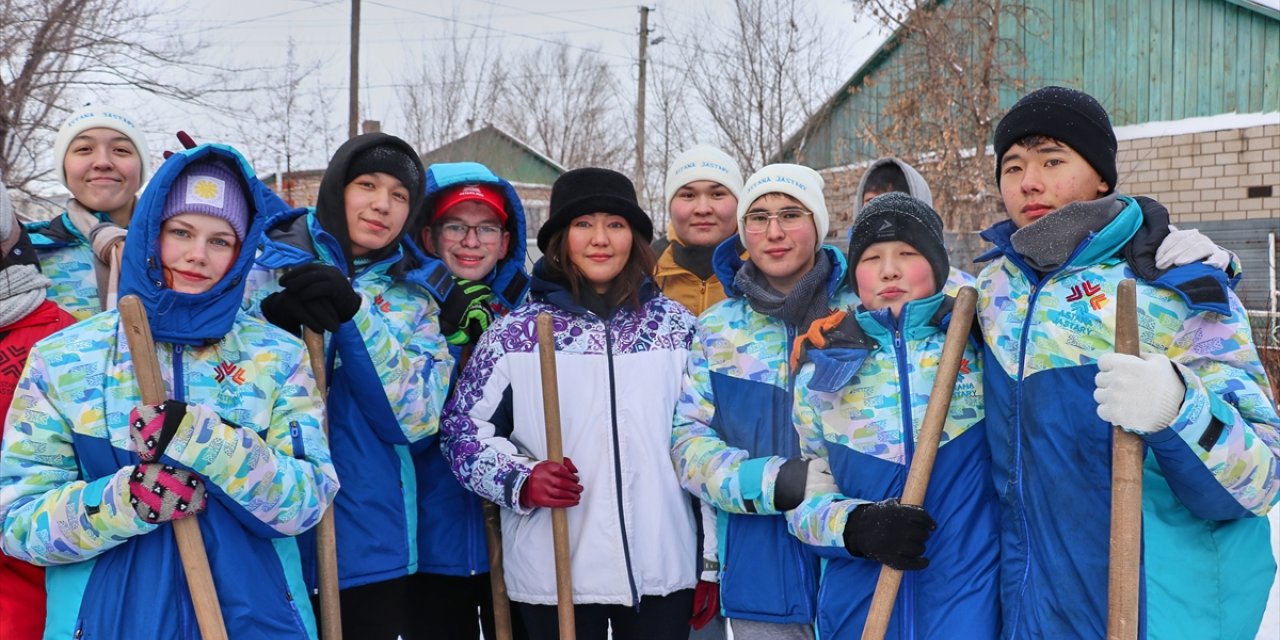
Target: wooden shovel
{"points": [[195, 563], [326, 533], [935, 416], [555, 453], [1126, 492]]}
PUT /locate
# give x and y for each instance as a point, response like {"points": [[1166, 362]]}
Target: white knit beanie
{"points": [[799, 182], [94, 117], [703, 162]]}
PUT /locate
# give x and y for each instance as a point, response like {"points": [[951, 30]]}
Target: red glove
{"points": [[551, 485], [706, 604]]}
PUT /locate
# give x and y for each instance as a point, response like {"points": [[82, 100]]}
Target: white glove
{"points": [[818, 479], [1185, 246], [1142, 394]]}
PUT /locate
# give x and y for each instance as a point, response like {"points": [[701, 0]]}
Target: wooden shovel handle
{"points": [[926, 450], [555, 453], [195, 563], [326, 531], [1126, 492]]}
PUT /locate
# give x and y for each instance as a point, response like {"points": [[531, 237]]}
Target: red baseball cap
{"points": [[484, 193]]}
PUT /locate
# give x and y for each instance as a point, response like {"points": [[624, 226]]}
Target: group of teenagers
{"points": [[739, 402]]}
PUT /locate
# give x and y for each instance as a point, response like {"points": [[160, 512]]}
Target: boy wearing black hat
{"points": [[862, 389], [340, 269], [1197, 396]]}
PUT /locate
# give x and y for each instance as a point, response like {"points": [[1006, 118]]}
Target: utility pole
{"points": [[353, 100], [644, 45]]}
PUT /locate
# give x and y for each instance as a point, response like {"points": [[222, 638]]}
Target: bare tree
{"points": [[51, 51], [940, 118], [289, 124], [567, 103], [453, 89], [762, 75]]}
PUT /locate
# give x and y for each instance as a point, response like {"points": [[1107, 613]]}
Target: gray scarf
{"points": [[807, 302], [1047, 243], [22, 289]]}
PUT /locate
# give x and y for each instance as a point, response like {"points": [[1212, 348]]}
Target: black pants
{"points": [[372, 611], [657, 618], [444, 608]]}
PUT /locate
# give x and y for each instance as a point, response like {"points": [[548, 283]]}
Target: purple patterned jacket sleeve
{"points": [[482, 460]]}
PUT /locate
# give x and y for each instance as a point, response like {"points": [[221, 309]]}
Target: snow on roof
{"points": [[1197, 125]]}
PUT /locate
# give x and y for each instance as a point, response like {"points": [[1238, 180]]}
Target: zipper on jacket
{"points": [[179, 387], [908, 599], [617, 467], [1036, 288]]}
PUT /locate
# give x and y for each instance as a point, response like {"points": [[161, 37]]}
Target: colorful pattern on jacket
{"points": [[66, 258], [251, 432], [860, 422], [451, 537], [389, 378], [732, 432], [633, 533], [1209, 477]]}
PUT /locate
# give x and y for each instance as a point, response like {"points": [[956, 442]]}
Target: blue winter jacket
{"points": [[451, 539], [732, 433], [861, 404], [1210, 477], [251, 432], [389, 376]]}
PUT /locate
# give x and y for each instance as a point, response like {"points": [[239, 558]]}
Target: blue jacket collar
{"points": [[182, 318], [1136, 233], [726, 261], [558, 293]]}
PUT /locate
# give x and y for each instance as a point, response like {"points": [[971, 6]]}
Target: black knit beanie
{"points": [[591, 190], [898, 216], [1066, 115], [389, 160]]}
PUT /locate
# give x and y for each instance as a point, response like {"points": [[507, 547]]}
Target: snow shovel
{"points": [[326, 533], [935, 415], [195, 563], [1126, 492], [555, 453]]}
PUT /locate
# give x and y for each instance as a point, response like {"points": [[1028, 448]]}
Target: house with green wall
{"points": [[1192, 87]]}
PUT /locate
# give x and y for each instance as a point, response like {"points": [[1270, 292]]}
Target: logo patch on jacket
{"points": [[381, 304], [1088, 291], [229, 370]]}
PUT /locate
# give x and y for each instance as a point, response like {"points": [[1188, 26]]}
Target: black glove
{"points": [[890, 533], [281, 310], [322, 297], [465, 313]]}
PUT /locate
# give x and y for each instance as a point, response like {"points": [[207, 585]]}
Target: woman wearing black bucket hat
{"points": [[621, 349]]}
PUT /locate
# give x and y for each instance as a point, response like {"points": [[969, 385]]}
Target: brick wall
{"points": [[1206, 177]]}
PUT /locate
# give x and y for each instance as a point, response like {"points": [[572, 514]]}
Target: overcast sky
{"points": [[244, 33]]}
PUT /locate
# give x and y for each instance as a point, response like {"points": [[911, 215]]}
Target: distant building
{"points": [[528, 170]]}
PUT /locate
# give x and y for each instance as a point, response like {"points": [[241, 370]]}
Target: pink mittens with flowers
{"points": [[160, 492], [1141, 394]]}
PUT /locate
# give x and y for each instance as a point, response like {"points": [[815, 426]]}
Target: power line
{"points": [[503, 31]]}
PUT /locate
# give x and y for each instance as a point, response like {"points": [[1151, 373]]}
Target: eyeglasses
{"points": [[457, 232], [788, 220]]}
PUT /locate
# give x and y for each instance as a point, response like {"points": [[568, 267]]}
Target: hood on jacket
{"points": [[509, 280], [185, 318], [331, 209], [916, 185], [728, 260]]}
